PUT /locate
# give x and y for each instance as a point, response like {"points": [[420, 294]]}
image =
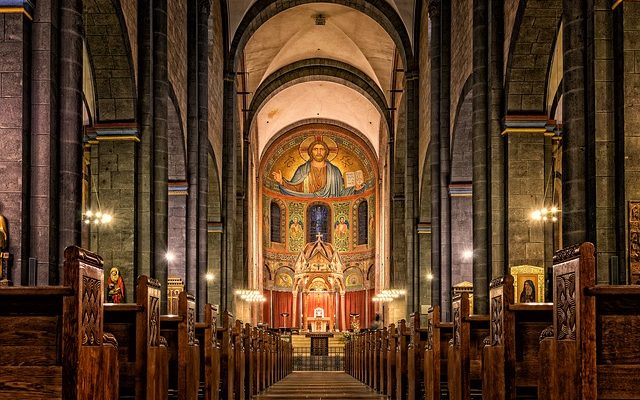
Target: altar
{"points": [[319, 323]]}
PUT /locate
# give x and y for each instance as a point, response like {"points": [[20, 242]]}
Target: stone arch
{"points": [[111, 61], [379, 10], [461, 137], [530, 53], [317, 69]]}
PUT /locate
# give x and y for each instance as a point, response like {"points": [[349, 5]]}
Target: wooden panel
{"points": [[29, 355], [618, 337], [27, 383], [618, 382], [29, 330]]}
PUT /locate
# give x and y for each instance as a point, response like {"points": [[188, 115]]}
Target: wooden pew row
{"points": [[183, 349], [435, 355], [142, 352], [52, 342], [592, 350], [511, 359], [415, 362], [206, 334], [402, 354], [465, 351]]}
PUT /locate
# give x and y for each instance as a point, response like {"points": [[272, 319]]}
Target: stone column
{"points": [[70, 190], [294, 306], [229, 145], [480, 139], [144, 157], [342, 311], [434, 150], [496, 187], [44, 142], [578, 214], [204, 8], [15, 72], [445, 162], [160, 148], [193, 146], [411, 193]]}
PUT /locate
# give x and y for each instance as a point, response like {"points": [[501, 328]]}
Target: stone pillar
{"points": [[480, 140], [496, 187], [445, 159], [411, 193], [204, 8], [44, 142], [15, 73], [228, 190], [70, 190], [434, 151], [294, 299], [144, 157], [342, 312], [628, 118], [160, 148], [193, 146], [578, 214]]}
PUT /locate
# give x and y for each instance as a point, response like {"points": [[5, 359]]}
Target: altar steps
{"points": [[301, 341], [319, 386]]}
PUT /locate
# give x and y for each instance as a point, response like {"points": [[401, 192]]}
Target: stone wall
{"points": [[130, 16], [425, 95], [510, 12], [216, 87], [177, 53], [461, 51]]}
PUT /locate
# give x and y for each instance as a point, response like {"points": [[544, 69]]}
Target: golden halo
{"points": [[331, 145]]}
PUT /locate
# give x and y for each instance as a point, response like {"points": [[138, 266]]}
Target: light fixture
{"points": [[429, 276], [96, 218], [388, 295], [467, 254], [210, 277], [170, 256], [547, 213], [251, 296]]}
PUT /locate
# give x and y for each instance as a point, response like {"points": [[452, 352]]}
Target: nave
{"points": [[319, 386]]}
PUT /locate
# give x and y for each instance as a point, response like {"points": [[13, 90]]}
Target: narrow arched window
{"points": [[276, 218], [318, 222], [363, 223]]}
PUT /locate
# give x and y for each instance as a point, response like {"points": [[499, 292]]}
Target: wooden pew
{"points": [[592, 350], [142, 354], [183, 348], [402, 354], [227, 357], [465, 350], [382, 364], [511, 360], [390, 384], [52, 343], [435, 355], [415, 354], [251, 358], [206, 333], [377, 349]]}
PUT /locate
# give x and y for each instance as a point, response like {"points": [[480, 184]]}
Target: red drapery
{"points": [[278, 303], [357, 302]]}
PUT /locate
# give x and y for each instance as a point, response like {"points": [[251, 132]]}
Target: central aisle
{"points": [[319, 386]]}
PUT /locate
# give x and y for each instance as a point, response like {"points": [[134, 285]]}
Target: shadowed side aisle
{"points": [[319, 385]]}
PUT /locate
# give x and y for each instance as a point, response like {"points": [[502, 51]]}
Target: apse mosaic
{"points": [[321, 164], [341, 227], [296, 226]]}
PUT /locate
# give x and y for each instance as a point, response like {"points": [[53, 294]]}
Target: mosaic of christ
{"points": [[323, 169]]}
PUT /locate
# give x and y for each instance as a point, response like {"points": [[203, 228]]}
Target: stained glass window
{"points": [[275, 222], [363, 223], [318, 222]]}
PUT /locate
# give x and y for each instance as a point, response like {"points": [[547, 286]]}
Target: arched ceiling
{"points": [[327, 100], [295, 36], [292, 35], [238, 8]]}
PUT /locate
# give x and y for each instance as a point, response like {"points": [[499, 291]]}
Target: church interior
{"points": [[319, 199]]}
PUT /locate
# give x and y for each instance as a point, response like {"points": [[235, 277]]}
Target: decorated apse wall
{"points": [[335, 196]]}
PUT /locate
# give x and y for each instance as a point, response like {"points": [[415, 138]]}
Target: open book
{"points": [[353, 178]]}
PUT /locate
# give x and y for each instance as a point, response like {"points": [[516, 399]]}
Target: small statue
{"points": [[4, 254], [4, 234], [115, 287]]}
